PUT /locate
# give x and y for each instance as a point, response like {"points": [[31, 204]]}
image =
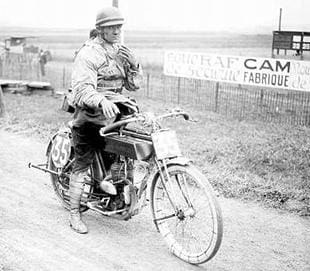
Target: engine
{"points": [[122, 178], [122, 170]]}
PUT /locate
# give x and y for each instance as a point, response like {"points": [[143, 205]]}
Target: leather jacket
{"points": [[98, 73]]}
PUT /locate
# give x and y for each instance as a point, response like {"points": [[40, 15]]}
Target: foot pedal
{"points": [[103, 203]]}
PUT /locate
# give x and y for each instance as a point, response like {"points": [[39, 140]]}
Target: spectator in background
{"points": [[42, 61]]}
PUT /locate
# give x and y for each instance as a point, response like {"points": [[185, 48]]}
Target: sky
{"points": [[254, 16]]}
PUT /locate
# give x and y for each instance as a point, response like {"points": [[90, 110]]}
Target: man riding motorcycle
{"points": [[102, 68]]}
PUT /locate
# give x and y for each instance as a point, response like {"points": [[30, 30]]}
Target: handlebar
{"points": [[104, 130], [142, 117]]}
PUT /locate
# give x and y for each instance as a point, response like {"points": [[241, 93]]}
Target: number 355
{"points": [[61, 150]]}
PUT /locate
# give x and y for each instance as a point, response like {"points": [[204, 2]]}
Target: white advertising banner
{"points": [[268, 72]]}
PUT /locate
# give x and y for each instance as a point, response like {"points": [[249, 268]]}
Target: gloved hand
{"points": [[126, 54], [109, 109]]}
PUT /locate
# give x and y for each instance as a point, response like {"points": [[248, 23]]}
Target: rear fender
{"points": [[50, 143], [60, 147]]}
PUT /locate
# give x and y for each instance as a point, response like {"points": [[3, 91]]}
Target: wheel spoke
{"points": [[164, 218], [195, 234], [184, 190]]}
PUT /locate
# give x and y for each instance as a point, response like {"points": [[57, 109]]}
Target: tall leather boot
{"points": [[76, 188]]}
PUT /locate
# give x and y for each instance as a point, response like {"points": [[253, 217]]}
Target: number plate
{"points": [[61, 150], [166, 144]]}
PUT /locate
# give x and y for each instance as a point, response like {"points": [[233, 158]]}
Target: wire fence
{"points": [[236, 101]]}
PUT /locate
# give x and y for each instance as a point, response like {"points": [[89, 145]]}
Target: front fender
{"points": [[182, 161]]}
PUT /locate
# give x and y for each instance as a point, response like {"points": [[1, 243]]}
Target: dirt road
{"points": [[34, 231]]}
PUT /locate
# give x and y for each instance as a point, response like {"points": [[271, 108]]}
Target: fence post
{"points": [[179, 89], [1, 67], [147, 85], [261, 97], [38, 72], [20, 70], [217, 86], [2, 109], [64, 77]]}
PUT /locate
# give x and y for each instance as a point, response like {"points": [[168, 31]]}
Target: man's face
{"points": [[112, 34]]}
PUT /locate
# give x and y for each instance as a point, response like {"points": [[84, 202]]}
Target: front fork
{"points": [[167, 183], [162, 168]]}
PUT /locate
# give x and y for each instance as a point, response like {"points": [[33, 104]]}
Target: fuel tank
{"points": [[129, 146]]}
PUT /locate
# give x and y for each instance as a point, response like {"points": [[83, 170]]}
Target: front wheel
{"points": [[187, 214]]}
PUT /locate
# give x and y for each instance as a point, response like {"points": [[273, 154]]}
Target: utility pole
{"points": [[280, 19], [115, 3]]}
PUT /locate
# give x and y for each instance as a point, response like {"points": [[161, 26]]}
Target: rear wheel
{"points": [[187, 214]]}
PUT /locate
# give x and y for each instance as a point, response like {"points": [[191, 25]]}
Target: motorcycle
{"points": [[139, 153]]}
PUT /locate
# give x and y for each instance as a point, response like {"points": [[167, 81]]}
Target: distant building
{"points": [[18, 45], [15, 44]]}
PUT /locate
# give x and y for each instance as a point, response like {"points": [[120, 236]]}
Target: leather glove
{"points": [[109, 109], [126, 54]]}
